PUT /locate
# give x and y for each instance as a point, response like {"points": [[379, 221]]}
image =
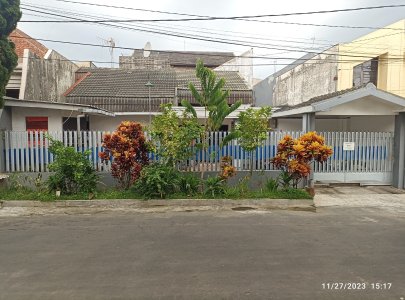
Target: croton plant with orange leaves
{"points": [[294, 156], [127, 149]]}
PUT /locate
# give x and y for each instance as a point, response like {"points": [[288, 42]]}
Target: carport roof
{"points": [[329, 101]]}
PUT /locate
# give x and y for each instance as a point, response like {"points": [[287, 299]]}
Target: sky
{"points": [[279, 43]]}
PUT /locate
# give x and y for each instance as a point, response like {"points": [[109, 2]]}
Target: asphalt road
{"points": [[204, 255]]}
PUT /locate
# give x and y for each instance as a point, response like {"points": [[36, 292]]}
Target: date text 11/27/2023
{"points": [[356, 285]]}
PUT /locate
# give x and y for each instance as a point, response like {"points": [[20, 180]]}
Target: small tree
{"points": [[214, 99], [126, 148], [251, 130], [73, 171], [294, 156], [174, 137], [10, 14]]}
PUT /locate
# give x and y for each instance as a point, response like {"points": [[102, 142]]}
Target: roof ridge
{"points": [[69, 90]]}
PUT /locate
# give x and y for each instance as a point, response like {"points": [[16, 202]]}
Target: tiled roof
{"points": [[125, 83], [125, 90], [233, 81]]}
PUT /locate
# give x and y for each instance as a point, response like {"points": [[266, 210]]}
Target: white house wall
{"points": [[104, 123], [375, 123], [367, 106], [54, 117], [243, 64], [354, 123]]}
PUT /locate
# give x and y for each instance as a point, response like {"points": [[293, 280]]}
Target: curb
{"points": [[244, 204]]}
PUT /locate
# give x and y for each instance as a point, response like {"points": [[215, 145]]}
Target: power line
{"points": [[165, 27], [76, 13], [213, 54], [166, 33], [134, 63], [221, 41], [210, 18]]}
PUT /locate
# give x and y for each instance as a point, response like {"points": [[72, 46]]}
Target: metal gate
{"points": [[358, 157]]}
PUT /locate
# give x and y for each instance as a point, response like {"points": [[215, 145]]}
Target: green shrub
{"points": [[157, 180], [189, 184], [214, 187], [74, 172], [272, 184]]}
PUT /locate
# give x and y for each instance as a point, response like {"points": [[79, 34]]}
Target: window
{"points": [[366, 72], [70, 124], [13, 93], [36, 123]]}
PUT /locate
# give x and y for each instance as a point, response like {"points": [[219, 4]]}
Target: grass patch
{"points": [[230, 193]]}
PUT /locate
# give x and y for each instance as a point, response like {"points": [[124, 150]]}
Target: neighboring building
{"points": [[36, 88], [180, 60], [42, 74], [376, 58]]}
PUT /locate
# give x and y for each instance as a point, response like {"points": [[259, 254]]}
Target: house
{"points": [[124, 92], [34, 93], [49, 92], [370, 71]]}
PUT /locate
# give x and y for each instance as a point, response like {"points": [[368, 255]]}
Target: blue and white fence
{"points": [[372, 152]]}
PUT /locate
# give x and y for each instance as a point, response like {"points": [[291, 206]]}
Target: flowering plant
{"points": [[126, 148], [294, 156]]}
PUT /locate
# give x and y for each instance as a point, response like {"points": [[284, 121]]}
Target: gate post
{"points": [[398, 174], [2, 152]]}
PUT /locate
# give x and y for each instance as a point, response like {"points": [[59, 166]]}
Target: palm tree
{"points": [[214, 99]]}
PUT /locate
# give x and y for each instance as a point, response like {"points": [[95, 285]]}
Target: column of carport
{"points": [[308, 124], [398, 177]]}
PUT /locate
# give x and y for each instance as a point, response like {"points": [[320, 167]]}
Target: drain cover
{"points": [[243, 208]]}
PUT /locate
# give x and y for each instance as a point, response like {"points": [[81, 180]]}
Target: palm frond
{"points": [[189, 107]]}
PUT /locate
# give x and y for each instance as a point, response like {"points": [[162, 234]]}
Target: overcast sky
{"points": [[296, 38]]}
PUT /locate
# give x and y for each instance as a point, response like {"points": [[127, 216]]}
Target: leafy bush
{"points": [[214, 187], [189, 184], [127, 149], [74, 172], [173, 137], [227, 169], [294, 156], [272, 184], [157, 180]]}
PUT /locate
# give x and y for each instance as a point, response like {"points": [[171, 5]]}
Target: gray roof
{"points": [[320, 98], [124, 90], [102, 82]]}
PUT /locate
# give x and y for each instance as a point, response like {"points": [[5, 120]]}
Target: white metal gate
{"points": [[368, 159]]}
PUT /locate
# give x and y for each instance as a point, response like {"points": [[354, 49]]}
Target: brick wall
{"points": [[23, 41]]}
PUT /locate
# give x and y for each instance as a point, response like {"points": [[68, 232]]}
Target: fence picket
{"points": [[29, 151]]}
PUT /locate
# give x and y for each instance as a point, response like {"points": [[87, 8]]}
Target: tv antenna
{"points": [[110, 43]]}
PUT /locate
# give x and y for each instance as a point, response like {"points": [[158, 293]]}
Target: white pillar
{"points": [[308, 122]]}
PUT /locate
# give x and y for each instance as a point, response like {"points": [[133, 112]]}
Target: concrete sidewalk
{"points": [[360, 196]]}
